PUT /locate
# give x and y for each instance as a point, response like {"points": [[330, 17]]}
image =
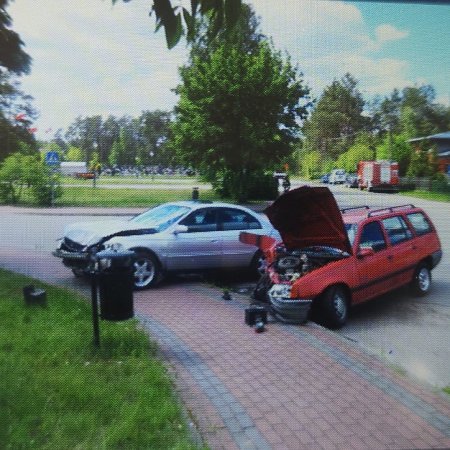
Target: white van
{"points": [[337, 176]]}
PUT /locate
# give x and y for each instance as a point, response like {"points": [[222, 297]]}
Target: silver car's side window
{"points": [[235, 219], [201, 220]]}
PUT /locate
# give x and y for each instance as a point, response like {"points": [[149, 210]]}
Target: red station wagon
{"points": [[329, 259]]}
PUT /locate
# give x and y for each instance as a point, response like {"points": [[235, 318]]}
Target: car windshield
{"points": [[161, 217], [350, 228]]}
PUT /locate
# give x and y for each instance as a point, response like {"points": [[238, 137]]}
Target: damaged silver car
{"points": [[173, 237]]}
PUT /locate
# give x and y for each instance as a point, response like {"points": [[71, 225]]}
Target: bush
{"points": [[253, 185], [20, 173], [440, 183]]}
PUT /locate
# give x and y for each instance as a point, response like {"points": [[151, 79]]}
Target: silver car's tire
{"points": [[421, 283], [79, 273], [147, 271]]}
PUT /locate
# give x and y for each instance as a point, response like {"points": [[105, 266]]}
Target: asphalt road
{"points": [[411, 333]]}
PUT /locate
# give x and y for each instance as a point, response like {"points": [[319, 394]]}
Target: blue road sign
{"points": [[52, 158]]}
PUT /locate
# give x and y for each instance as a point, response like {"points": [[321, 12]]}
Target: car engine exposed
{"points": [[292, 264]]}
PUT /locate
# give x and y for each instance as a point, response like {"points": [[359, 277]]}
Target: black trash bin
{"points": [[116, 282]]}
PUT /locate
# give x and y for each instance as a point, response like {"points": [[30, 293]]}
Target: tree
{"points": [[411, 112], [19, 172], [336, 119], [177, 20], [75, 154], [396, 148], [16, 116], [237, 112], [85, 133], [12, 56], [349, 160], [153, 135]]}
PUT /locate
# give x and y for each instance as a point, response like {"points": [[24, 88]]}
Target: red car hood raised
{"points": [[309, 216]]}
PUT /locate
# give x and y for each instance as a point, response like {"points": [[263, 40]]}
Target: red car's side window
{"points": [[372, 236], [397, 229], [420, 223]]}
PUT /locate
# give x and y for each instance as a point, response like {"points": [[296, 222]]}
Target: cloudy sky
{"points": [[90, 57]]}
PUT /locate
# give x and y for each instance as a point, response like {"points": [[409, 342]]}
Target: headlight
{"points": [[114, 247], [280, 291]]}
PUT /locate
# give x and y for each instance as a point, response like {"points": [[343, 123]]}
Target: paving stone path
{"points": [[299, 387]]}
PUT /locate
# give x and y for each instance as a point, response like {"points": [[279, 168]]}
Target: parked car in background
{"points": [[351, 180], [329, 259], [337, 176], [325, 178], [172, 237]]}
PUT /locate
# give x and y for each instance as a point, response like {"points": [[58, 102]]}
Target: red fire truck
{"points": [[378, 176]]}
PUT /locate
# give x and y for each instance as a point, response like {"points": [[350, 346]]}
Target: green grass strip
{"points": [[59, 391]]}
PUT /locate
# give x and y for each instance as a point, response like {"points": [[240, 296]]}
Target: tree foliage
{"points": [[16, 116], [178, 20], [238, 110], [337, 118], [123, 141], [12, 56], [19, 172]]}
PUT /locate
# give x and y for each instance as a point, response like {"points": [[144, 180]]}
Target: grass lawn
{"points": [[427, 195], [88, 196], [57, 391]]}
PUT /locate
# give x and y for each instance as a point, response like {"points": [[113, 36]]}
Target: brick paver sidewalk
{"points": [[298, 387]]}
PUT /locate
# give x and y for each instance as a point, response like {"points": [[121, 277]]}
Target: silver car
{"points": [[172, 237]]}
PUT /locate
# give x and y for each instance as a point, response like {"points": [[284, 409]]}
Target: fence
{"points": [[424, 184]]}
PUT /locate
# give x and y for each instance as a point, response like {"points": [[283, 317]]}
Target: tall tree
{"points": [[12, 56], [238, 111], [16, 116], [337, 118], [85, 133], [153, 135]]}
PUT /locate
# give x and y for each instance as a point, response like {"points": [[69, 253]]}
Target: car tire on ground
{"points": [[79, 273], [147, 270], [421, 282], [258, 264], [331, 308], [261, 291]]}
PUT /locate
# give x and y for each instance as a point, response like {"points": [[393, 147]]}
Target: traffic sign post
{"points": [[52, 160]]}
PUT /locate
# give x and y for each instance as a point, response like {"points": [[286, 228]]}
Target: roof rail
{"points": [[389, 209], [351, 208]]}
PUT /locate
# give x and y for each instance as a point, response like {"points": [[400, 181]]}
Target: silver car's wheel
{"points": [[147, 272], [79, 273]]}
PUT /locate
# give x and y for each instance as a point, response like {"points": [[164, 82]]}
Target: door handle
{"points": [[390, 257]]}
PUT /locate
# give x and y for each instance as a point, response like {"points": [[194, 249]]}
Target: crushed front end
{"points": [[285, 270], [313, 235]]}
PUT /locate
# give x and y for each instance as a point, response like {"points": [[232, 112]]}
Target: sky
{"points": [[92, 58]]}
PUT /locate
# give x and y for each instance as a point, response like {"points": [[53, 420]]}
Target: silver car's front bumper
{"points": [[73, 260]]}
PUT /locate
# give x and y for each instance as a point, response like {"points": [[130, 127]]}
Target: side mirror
{"points": [[180, 229], [365, 251]]}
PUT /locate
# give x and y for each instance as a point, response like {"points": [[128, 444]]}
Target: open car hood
{"points": [[309, 216]]}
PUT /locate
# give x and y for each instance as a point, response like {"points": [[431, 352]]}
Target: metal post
{"points": [[95, 321]]}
